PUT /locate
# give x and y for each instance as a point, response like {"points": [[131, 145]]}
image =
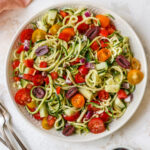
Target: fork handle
{"points": [[16, 137], [7, 140]]}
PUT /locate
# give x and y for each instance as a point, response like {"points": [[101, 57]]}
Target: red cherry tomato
{"points": [[28, 77], [73, 117], [79, 78], [32, 71], [37, 116], [83, 70], [104, 116], [29, 63], [58, 90], [43, 64], [16, 79], [75, 62], [80, 18], [38, 80], [92, 108], [95, 46], [26, 35], [96, 125], [111, 29], [51, 120], [46, 80], [22, 96], [122, 94], [20, 49], [82, 28], [29, 86], [54, 75], [103, 32], [15, 63], [63, 14], [103, 95], [103, 44]]}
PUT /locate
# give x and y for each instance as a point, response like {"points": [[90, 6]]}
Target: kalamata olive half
{"points": [[92, 32], [42, 50], [71, 92], [123, 62], [38, 92], [69, 130]]}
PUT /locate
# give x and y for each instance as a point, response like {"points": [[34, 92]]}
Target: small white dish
{"points": [[136, 47]]}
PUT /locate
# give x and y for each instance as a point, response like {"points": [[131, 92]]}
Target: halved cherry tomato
{"points": [[104, 20], [15, 63], [75, 62], [104, 116], [80, 18], [96, 125], [38, 35], [83, 70], [79, 78], [53, 30], [43, 64], [51, 120], [28, 77], [45, 124], [38, 80], [92, 108], [66, 34], [73, 117], [32, 71], [46, 80], [135, 64], [103, 54], [103, 95], [16, 79], [78, 101], [135, 76], [63, 14], [37, 116], [103, 44], [95, 46], [111, 29], [29, 63], [29, 86], [103, 32], [26, 34], [122, 94], [20, 49], [22, 96], [54, 75], [31, 105], [82, 28], [58, 90]]}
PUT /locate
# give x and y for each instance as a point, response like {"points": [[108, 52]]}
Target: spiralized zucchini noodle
{"points": [[62, 57]]}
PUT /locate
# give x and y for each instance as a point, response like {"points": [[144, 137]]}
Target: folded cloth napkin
{"points": [[13, 4]]}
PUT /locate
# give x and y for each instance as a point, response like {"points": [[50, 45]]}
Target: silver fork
{"points": [[8, 125], [2, 126]]}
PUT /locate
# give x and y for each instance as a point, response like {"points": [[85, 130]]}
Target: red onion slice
{"points": [[87, 14], [82, 60], [129, 98], [89, 65], [26, 45]]}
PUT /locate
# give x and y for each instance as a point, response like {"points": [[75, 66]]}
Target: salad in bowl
{"points": [[74, 71]]}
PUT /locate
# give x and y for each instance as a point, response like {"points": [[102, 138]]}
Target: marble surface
{"points": [[136, 133]]}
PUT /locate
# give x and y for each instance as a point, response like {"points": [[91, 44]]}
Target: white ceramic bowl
{"points": [[136, 47]]}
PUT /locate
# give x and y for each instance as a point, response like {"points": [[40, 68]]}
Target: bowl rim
{"points": [[64, 4]]}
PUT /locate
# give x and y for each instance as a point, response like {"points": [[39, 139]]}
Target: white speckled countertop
{"points": [[136, 133]]}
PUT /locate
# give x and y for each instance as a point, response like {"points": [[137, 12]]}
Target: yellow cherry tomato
{"points": [[38, 34], [135, 64], [135, 76], [45, 124], [31, 105], [53, 30]]}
